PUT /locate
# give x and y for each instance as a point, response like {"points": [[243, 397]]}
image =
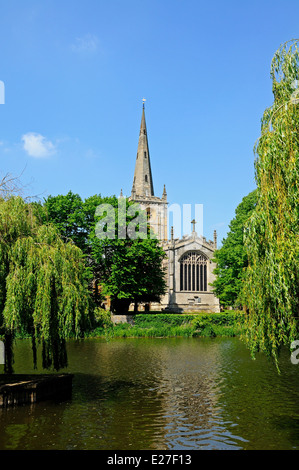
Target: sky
{"points": [[74, 74]]}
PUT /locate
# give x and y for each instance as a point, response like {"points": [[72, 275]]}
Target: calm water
{"points": [[155, 394]]}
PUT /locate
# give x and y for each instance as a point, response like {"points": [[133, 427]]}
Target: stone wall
{"points": [[122, 319]]}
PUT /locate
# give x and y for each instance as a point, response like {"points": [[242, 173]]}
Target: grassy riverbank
{"points": [[171, 325], [154, 325]]}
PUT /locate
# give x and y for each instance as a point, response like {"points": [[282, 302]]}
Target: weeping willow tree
{"points": [[271, 289], [43, 290]]}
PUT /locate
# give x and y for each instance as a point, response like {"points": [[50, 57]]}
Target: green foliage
{"points": [[43, 290], [129, 270], [73, 217], [102, 318], [226, 318], [219, 324], [271, 289], [176, 325], [208, 331], [231, 258], [66, 213], [126, 269], [143, 320], [151, 331]]}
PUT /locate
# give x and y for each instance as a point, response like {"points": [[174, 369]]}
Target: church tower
{"points": [[143, 187], [189, 265]]}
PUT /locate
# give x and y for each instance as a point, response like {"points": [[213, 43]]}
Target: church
{"points": [[188, 264]]}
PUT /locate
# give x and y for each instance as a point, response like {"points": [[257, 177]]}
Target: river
{"points": [[161, 394]]}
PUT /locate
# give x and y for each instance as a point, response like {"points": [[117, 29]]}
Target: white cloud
{"points": [[86, 44], [37, 145]]}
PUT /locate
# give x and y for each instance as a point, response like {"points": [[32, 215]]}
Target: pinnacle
{"points": [[143, 183]]}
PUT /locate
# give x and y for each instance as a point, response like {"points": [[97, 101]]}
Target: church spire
{"points": [[143, 181]]}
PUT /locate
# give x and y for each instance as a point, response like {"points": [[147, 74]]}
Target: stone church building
{"points": [[188, 264]]}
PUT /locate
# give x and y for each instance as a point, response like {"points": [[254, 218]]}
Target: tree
{"points": [[232, 258], [43, 290], [75, 219], [271, 287], [11, 185], [67, 214], [128, 269], [131, 271]]}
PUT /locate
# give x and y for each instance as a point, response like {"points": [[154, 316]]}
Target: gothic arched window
{"points": [[193, 272]]}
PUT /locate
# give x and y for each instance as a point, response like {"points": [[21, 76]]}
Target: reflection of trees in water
{"points": [[149, 388], [162, 394], [116, 403], [119, 405], [31, 427], [258, 403], [190, 383], [129, 395]]}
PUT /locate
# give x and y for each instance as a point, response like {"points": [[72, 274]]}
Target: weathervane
{"points": [[143, 100]]}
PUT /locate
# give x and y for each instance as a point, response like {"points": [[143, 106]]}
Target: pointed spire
{"points": [[215, 239], [143, 181], [164, 195], [143, 123]]}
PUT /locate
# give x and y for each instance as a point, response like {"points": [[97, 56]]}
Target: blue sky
{"points": [[75, 73]]}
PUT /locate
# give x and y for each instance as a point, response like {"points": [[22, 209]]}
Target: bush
{"points": [[102, 318], [152, 331], [219, 324], [208, 331], [162, 319], [228, 319], [170, 325]]}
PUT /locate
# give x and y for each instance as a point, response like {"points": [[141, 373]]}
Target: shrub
{"points": [[218, 324], [102, 318], [208, 331], [170, 325], [162, 319]]}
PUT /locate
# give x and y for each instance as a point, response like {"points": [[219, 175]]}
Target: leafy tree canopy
{"points": [[127, 268], [43, 290], [73, 217], [271, 288], [231, 258], [131, 271]]}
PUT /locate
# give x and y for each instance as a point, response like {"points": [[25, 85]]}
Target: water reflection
{"points": [[161, 394], [259, 399]]}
